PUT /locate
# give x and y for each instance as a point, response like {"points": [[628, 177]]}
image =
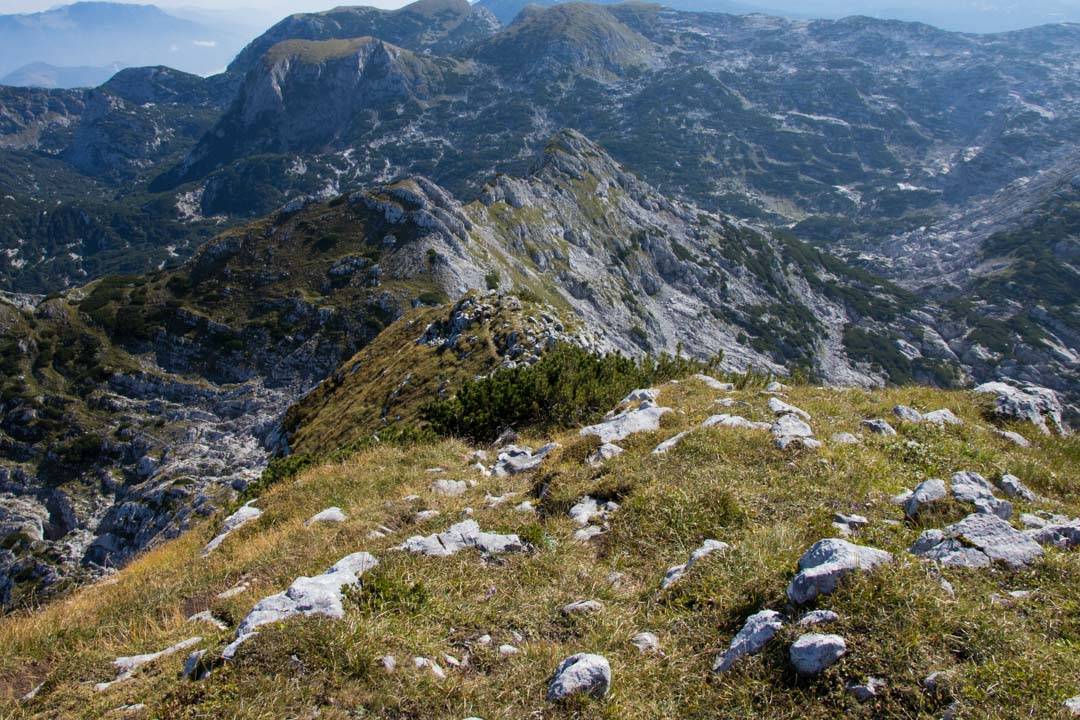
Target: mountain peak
{"points": [[573, 37], [569, 152]]}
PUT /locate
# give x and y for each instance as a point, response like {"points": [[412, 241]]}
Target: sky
{"points": [[276, 7]]}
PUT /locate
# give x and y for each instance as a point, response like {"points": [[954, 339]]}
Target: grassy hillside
{"points": [[1001, 658]]}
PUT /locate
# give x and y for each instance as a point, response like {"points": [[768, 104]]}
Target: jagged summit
{"points": [[570, 153]]}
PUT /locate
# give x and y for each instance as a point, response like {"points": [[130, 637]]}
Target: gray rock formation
{"points": [[644, 418], [318, 595], [827, 562], [927, 493], [674, 574], [126, 666], [581, 674], [234, 522], [1029, 403], [756, 632], [977, 540], [813, 653], [329, 515], [462, 536]]}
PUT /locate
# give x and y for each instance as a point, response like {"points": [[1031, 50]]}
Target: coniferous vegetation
{"points": [[569, 385]]}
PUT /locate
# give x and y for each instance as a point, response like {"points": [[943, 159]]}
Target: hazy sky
{"points": [[277, 7]]}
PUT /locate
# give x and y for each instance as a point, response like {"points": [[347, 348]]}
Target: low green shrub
{"points": [[568, 386]]}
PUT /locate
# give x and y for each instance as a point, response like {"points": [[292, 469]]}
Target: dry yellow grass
{"points": [[1002, 662]]}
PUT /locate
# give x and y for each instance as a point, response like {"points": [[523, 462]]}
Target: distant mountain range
{"points": [[978, 16], [44, 75], [87, 35]]}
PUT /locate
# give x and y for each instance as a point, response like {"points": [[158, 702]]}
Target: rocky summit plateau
{"points": [[578, 360]]}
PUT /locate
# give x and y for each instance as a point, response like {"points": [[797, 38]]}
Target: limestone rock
{"points": [[670, 443], [463, 535], [646, 642], [973, 488], [193, 667], [329, 515], [907, 414], [997, 539], [848, 524], [943, 416], [926, 493], [642, 395], [237, 520], [208, 617], [844, 438], [422, 663], [583, 607], [1037, 405], [1072, 706], [588, 509], [449, 488], [813, 653], [937, 546], [514, 459], [780, 408], [818, 617], [879, 427], [1064, 535], [823, 566], [791, 426], [319, 595], [581, 674], [588, 533], [1014, 437], [1014, 488], [126, 666], [645, 418], [714, 384], [735, 421], [604, 452], [868, 690], [756, 632], [675, 573], [786, 441]]}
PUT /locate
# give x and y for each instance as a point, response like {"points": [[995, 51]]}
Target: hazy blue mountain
{"points": [[44, 75], [101, 33]]}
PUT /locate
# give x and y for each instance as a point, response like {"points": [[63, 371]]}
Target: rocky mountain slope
{"points": [[904, 567], [135, 401]]}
